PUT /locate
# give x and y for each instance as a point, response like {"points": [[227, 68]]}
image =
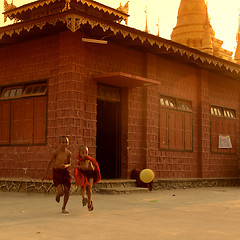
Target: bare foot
{"points": [[84, 201], [58, 198], [90, 206], [64, 210]]}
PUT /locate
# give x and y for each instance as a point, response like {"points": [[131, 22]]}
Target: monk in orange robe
{"points": [[86, 174]]}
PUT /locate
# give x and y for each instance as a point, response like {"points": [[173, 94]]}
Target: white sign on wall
{"points": [[224, 141]]}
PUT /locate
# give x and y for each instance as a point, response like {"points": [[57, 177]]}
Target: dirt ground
{"points": [[190, 214]]}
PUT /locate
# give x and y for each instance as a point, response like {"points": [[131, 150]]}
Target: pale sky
{"points": [[223, 16]]}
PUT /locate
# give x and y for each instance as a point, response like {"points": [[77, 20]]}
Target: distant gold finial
{"points": [[7, 7], [124, 8], [206, 3], [239, 17], [158, 28], [237, 51], [207, 15], [67, 5], [146, 27], [238, 33]]}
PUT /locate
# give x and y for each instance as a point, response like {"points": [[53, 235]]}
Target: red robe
{"points": [[80, 178]]}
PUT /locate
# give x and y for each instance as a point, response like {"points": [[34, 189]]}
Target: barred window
{"points": [[175, 124], [35, 90], [11, 92], [175, 103], [223, 124], [23, 114], [223, 112], [167, 102]]}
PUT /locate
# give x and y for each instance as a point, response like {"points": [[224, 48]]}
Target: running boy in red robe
{"points": [[86, 174], [61, 161]]}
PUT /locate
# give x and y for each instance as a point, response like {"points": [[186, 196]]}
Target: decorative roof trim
{"points": [[41, 3], [74, 21], [29, 6], [103, 7], [27, 27]]}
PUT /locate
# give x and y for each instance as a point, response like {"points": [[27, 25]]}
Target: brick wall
{"points": [[226, 94], [69, 64], [21, 63], [180, 81]]}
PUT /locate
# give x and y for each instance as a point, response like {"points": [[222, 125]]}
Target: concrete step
{"points": [[118, 186], [122, 190], [116, 183]]}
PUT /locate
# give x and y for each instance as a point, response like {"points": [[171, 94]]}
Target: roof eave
{"points": [[152, 43]]}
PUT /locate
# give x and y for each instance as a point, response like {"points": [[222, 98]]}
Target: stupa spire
{"points": [[207, 44], [158, 34], [194, 29], [189, 28], [146, 26], [237, 52]]}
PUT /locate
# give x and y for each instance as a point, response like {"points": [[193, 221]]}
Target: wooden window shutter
{"points": [[172, 129], [16, 121], [180, 130], [27, 123], [214, 134], [232, 133], [40, 114], [188, 131], [22, 121], [163, 128], [4, 122]]}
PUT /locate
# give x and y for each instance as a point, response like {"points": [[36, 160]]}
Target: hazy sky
{"points": [[223, 16]]}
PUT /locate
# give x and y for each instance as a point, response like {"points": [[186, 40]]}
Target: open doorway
{"points": [[108, 132]]}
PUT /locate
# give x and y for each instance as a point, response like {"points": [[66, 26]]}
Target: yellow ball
{"points": [[146, 175]]}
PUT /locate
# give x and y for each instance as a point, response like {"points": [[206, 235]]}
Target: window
{"points": [[181, 105], [23, 115], [223, 125], [12, 92], [223, 112], [175, 124], [175, 103], [35, 90], [167, 102]]}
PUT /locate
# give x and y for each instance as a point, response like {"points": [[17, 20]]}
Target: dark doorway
{"points": [[108, 154]]}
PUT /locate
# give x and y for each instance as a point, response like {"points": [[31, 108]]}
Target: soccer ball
{"points": [[146, 175]]}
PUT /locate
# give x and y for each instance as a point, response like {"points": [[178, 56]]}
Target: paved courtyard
{"points": [[190, 214]]}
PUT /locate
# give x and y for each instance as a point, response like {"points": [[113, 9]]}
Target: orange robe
{"points": [[81, 178]]}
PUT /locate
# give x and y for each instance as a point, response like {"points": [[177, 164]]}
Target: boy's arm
{"points": [[48, 166], [91, 166], [69, 161]]}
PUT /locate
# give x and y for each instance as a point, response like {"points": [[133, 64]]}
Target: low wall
{"points": [[195, 183], [38, 186]]}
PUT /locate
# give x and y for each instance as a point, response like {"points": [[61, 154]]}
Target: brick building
{"points": [[135, 99]]}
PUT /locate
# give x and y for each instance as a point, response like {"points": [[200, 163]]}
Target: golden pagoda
{"points": [[194, 29], [237, 52]]}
